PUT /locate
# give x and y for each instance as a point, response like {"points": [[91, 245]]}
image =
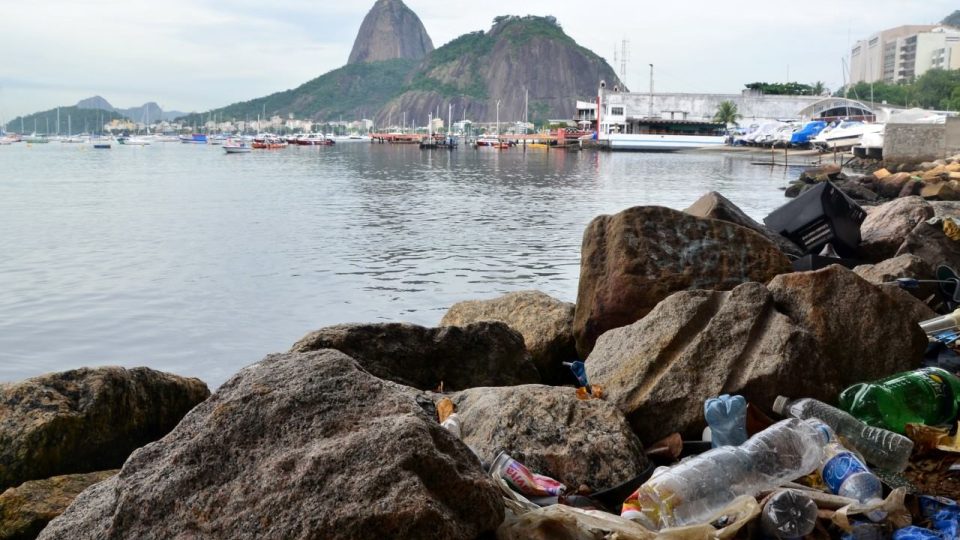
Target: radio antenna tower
{"points": [[624, 58]]}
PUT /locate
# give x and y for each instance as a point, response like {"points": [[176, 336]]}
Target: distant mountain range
{"points": [[147, 113], [394, 71]]}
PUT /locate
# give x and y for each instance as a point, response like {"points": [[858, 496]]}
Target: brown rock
{"points": [[633, 260], [880, 174], [886, 273], [822, 173], [942, 191], [930, 244], [888, 225], [913, 187], [480, 354], [943, 209], [890, 186], [26, 509], [390, 31], [715, 206], [852, 321], [545, 323], [296, 446], [87, 420], [553, 433], [809, 334]]}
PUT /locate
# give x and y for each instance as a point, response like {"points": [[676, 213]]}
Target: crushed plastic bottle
{"points": [[789, 514], [846, 475], [880, 447], [520, 478], [727, 418], [925, 396], [945, 329], [698, 487]]}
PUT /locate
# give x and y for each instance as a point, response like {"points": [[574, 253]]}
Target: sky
{"points": [[195, 55]]}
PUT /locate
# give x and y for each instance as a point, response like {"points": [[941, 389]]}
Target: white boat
{"points": [[237, 147], [133, 141], [662, 135], [74, 139], [845, 135], [36, 139]]}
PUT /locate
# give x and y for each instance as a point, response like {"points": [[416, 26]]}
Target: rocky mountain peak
{"points": [[390, 30]]}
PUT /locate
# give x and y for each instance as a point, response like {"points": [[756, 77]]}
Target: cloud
{"points": [[200, 54]]}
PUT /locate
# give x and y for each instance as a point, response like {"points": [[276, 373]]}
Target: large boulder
{"points": [[888, 226], [545, 323], [632, 260], [928, 242], [87, 420], [479, 354], [296, 446], [715, 206], [26, 509], [553, 433], [891, 186], [807, 334], [887, 272]]}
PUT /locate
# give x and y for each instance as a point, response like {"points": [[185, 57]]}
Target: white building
{"points": [[904, 53]]}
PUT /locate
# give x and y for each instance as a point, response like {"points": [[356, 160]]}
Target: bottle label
{"points": [[839, 468]]}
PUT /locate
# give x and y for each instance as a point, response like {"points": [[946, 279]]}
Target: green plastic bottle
{"points": [[928, 396]]}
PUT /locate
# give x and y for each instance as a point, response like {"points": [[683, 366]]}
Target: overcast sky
{"points": [[193, 55]]}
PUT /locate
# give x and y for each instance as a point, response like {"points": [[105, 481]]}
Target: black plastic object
{"points": [[949, 286], [816, 262], [823, 214], [613, 498]]}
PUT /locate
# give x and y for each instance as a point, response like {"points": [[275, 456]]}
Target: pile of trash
{"points": [[820, 472], [881, 461]]}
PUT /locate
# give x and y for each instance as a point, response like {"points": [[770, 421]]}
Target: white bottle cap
{"points": [[780, 404]]}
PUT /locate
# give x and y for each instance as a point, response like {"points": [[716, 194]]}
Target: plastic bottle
{"points": [[698, 487], [789, 514], [916, 533], [925, 396], [945, 329], [882, 448], [846, 475], [727, 417]]}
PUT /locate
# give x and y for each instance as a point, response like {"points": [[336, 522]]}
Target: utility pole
{"points": [[651, 91], [526, 110], [498, 120]]}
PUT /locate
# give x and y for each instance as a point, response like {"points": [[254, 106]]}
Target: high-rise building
{"points": [[904, 53]]}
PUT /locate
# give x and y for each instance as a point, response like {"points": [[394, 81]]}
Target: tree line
{"points": [[935, 89]]}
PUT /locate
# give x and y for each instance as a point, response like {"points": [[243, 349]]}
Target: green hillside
{"points": [[353, 91], [78, 120]]}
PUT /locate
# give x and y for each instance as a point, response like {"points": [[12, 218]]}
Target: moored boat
{"points": [[314, 139], [196, 138], [236, 147], [269, 143]]}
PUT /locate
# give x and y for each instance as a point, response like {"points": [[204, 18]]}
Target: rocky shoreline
{"points": [[340, 438]]}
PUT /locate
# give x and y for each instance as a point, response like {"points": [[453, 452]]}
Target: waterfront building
{"points": [[903, 53]]}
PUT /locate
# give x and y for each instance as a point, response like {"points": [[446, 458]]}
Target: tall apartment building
{"points": [[903, 53]]}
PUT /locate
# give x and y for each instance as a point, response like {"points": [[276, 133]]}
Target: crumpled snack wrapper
{"points": [[596, 392], [893, 505], [929, 438], [445, 408]]}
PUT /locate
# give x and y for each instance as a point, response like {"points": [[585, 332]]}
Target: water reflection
{"points": [[188, 260]]}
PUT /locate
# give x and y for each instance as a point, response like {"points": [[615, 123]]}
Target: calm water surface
{"points": [[185, 259]]}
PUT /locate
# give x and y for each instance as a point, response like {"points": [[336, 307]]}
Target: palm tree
{"points": [[819, 88], [727, 113]]}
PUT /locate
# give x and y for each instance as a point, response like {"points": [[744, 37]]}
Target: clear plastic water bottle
{"points": [[727, 417], [698, 487], [789, 514], [882, 448], [846, 475]]}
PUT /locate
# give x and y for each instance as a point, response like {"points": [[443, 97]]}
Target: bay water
{"points": [[188, 260]]}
